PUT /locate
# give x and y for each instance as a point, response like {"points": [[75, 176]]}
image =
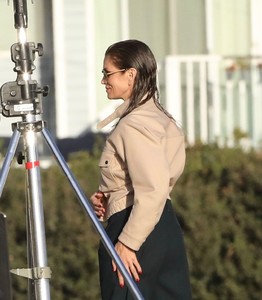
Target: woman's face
{"points": [[118, 82]]}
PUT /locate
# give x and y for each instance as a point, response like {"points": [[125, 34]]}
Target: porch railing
{"points": [[216, 99]]}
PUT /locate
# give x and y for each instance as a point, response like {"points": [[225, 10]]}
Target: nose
{"points": [[103, 80]]}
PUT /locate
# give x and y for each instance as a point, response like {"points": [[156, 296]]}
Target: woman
{"points": [[143, 157]]}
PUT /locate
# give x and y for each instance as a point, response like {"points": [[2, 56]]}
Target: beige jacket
{"points": [[142, 159]]}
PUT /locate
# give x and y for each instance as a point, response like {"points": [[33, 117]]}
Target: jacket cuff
{"points": [[129, 242]]}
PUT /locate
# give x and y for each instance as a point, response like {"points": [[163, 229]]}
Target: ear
{"points": [[132, 73]]}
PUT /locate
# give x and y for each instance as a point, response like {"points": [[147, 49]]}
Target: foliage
{"points": [[218, 199], [218, 202]]}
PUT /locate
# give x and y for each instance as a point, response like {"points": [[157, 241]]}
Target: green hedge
{"points": [[218, 202]]}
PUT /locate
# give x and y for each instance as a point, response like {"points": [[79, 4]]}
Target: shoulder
{"points": [[148, 118]]}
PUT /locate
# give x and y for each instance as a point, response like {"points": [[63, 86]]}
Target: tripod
{"points": [[23, 98]]}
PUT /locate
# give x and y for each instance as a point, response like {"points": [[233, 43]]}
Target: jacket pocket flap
{"points": [[106, 160]]}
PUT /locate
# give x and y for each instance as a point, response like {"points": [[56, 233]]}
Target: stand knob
{"points": [[20, 158]]}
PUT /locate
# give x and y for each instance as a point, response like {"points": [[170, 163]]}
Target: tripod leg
{"points": [[30, 283], [8, 159], [86, 205], [35, 219], [5, 284]]}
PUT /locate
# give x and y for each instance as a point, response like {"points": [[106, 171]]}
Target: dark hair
{"points": [[136, 54]]}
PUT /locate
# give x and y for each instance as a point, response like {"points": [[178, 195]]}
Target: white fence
{"points": [[216, 99]]}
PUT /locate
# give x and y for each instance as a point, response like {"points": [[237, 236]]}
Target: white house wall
{"points": [[256, 36], [74, 57], [83, 29], [231, 27]]}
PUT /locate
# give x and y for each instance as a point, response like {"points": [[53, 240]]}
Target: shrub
{"points": [[217, 200]]}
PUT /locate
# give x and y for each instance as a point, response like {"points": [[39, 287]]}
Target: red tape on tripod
{"points": [[32, 164]]}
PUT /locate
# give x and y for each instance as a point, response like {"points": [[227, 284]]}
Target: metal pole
{"points": [[38, 271], [8, 159], [5, 282], [35, 217]]}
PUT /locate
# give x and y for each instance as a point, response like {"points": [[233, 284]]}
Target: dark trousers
{"points": [[162, 258]]}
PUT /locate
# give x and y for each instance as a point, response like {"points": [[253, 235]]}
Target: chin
{"points": [[112, 98]]}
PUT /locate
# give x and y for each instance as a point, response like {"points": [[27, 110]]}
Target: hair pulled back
{"points": [[136, 54]]}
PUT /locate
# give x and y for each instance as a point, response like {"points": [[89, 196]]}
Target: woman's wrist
{"points": [[126, 246]]}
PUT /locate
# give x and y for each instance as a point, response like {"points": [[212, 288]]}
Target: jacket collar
{"points": [[120, 110]]}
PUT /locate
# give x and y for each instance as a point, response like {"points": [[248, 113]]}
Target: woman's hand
{"points": [[129, 259], [98, 201]]}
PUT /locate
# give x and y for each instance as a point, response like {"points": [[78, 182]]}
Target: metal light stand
{"points": [[23, 98]]}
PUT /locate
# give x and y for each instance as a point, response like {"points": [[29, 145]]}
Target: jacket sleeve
{"points": [[148, 169]]}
